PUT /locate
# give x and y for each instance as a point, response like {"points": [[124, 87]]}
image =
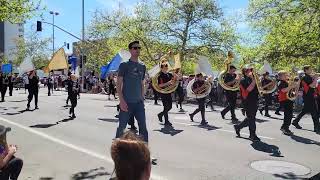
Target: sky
{"points": [[70, 16]]}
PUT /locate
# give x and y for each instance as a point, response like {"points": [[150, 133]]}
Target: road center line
{"points": [[69, 145]]}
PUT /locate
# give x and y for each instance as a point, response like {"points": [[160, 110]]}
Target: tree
{"points": [[290, 31], [32, 46], [17, 11], [184, 26]]}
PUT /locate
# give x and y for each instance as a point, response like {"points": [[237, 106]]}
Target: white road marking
{"points": [[69, 145], [224, 130]]}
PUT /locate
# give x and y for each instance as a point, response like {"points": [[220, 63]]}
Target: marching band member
{"points": [[249, 93], [199, 82], [287, 104], [33, 88], [73, 88], [266, 82], [179, 94], [308, 84], [230, 79], [165, 78]]}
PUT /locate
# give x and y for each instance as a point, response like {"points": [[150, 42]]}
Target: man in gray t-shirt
{"points": [[130, 87]]}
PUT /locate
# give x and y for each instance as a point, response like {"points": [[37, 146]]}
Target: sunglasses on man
{"points": [[136, 47]]}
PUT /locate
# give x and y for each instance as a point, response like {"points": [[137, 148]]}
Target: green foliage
{"points": [[17, 11], [32, 46], [290, 31], [183, 26]]}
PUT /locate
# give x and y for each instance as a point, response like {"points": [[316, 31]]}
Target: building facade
{"points": [[9, 33]]}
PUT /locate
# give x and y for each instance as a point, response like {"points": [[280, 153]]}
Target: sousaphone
{"points": [[174, 67]]}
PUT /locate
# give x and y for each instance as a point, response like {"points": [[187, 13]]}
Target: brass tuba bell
{"points": [[221, 76], [175, 68], [293, 92], [199, 92]]}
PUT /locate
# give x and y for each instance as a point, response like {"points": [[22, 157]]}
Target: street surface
{"points": [[55, 147]]}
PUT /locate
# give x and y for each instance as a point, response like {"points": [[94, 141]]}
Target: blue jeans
{"points": [[137, 110]]}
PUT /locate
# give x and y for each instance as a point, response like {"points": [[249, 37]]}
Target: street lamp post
{"points": [[53, 14], [82, 50]]}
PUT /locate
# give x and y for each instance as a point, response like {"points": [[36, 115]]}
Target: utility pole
{"points": [[53, 14], [82, 52]]}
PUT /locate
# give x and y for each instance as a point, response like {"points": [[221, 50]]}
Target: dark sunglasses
{"points": [[164, 65], [135, 48]]}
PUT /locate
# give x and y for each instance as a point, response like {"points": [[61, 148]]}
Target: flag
{"points": [[103, 72], [58, 60], [152, 72], [26, 66], [73, 61], [6, 68], [204, 66]]}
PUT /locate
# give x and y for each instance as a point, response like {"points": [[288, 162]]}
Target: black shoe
{"points": [[222, 115], [191, 117], [160, 117], [277, 113], [295, 124], [181, 110], [177, 105], [235, 119], [267, 115], [260, 111], [254, 138], [74, 116], [237, 129], [286, 132], [167, 123], [28, 109], [36, 107], [204, 122]]}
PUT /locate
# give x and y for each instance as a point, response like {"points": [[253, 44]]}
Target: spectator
{"points": [[10, 166], [131, 158]]}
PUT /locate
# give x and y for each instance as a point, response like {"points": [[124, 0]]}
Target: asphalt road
{"points": [[55, 147]]}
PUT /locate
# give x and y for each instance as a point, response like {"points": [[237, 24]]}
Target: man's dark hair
{"points": [[132, 43], [199, 75], [305, 68]]}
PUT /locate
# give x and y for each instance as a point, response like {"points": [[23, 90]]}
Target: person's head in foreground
{"points": [[131, 158]]}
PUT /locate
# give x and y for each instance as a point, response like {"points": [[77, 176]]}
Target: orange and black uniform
{"points": [[166, 98], [286, 104], [250, 104], [231, 97], [309, 102], [201, 102]]}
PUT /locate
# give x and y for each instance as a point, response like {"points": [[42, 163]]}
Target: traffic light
{"points": [[39, 26], [68, 46], [83, 58]]}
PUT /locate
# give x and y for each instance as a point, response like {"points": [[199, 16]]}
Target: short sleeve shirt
{"points": [[133, 74], [282, 95], [252, 96], [308, 92]]}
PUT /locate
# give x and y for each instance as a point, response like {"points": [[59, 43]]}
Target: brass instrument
{"points": [[173, 85], [221, 76], [261, 89], [293, 92], [200, 92]]}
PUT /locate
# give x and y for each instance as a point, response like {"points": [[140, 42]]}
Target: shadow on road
{"points": [[45, 178], [109, 120], [110, 105], [207, 127], [169, 130], [25, 100], [90, 174], [261, 120], [43, 125], [304, 140], [287, 176], [50, 125], [273, 150]]}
